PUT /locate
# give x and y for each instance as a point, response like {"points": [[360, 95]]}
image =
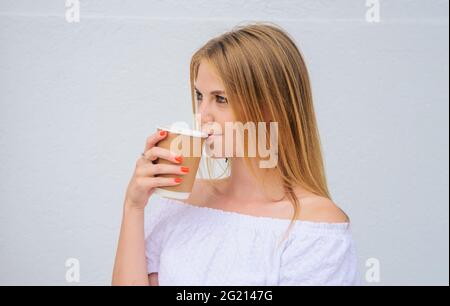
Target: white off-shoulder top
{"points": [[193, 245]]}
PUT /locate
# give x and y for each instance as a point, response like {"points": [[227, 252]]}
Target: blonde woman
{"points": [[257, 226]]}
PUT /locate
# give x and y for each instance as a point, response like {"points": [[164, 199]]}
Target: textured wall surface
{"points": [[77, 101]]}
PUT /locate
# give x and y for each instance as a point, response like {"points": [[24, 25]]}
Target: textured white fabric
{"points": [[191, 245]]}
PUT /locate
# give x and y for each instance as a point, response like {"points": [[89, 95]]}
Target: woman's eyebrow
{"points": [[214, 92]]}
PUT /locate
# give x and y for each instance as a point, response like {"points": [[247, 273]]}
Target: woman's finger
{"points": [[146, 183], [156, 152], [149, 170], [153, 139]]}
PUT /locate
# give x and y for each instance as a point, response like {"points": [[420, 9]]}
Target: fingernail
{"points": [[179, 159], [178, 180], [185, 169], [162, 133]]}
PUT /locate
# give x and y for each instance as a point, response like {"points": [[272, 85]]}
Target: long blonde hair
{"points": [[266, 79]]}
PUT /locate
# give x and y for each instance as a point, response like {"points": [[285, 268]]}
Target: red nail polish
{"points": [[179, 159], [185, 169], [162, 133], [178, 180]]}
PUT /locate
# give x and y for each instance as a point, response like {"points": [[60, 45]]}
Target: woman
{"points": [[258, 226]]}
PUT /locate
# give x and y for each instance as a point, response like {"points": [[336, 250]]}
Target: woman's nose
{"points": [[206, 121], [206, 113]]}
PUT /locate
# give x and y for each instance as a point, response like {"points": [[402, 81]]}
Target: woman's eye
{"points": [[221, 99]]}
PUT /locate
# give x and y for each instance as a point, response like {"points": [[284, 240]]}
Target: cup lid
{"points": [[183, 131]]}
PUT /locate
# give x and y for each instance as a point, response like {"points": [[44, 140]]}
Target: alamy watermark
{"points": [[72, 11], [235, 141], [373, 273], [72, 270], [373, 11]]}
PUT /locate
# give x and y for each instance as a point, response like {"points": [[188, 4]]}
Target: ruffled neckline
{"points": [[310, 226]]}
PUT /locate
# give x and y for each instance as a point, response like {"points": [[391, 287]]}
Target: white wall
{"points": [[77, 101]]}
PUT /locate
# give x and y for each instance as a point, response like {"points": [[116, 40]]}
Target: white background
{"points": [[77, 101]]}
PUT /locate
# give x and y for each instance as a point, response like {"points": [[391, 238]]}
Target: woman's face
{"points": [[217, 118], [213, 107]]}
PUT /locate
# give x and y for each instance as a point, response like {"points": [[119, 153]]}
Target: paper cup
{"points": [[188, 143]]}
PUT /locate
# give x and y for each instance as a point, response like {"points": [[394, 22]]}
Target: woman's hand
{"points": [[130, 267], [143, 182]]}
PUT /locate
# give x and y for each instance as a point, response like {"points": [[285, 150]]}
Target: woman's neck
{"points": [[242, 186]]}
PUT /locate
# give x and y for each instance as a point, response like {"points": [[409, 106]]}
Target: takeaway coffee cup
{"points": [[188, 143]]}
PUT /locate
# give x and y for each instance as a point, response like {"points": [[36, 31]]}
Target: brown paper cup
{"points": [[189, 144]]}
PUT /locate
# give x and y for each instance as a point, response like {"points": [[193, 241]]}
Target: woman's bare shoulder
{"points": [[321, 209]]}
